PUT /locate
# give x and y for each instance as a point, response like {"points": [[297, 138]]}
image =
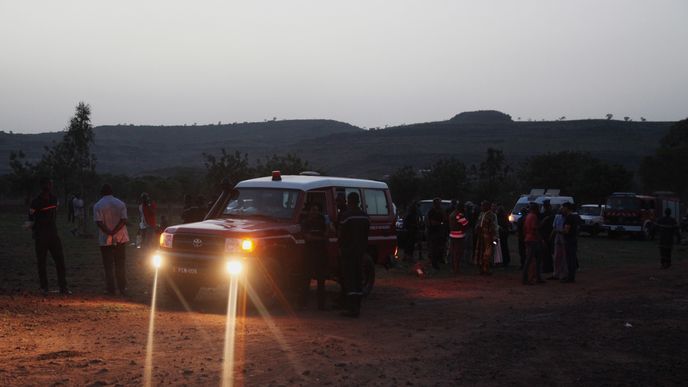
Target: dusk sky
{"points": [[370, 63]]}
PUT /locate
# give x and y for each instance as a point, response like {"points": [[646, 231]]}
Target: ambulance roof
{"points": [[306, 183]]}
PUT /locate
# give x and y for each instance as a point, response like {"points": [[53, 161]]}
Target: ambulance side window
{"points": [[376, 202]]}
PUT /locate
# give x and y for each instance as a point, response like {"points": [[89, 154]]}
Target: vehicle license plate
{"points": [[186, 270]]}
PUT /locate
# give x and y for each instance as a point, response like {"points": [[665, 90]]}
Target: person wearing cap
{"points": [[110, 215], [42, 217], [354, 226]]}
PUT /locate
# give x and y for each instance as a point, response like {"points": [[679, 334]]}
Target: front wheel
{"points": [[368, 268]]}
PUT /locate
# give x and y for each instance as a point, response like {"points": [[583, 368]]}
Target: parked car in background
{"points": [[592, 218]]}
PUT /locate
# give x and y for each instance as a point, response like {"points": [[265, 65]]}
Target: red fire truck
{"points": [[630, 213]]}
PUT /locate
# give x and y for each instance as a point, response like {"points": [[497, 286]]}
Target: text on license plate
{"points": [[186, 270]]}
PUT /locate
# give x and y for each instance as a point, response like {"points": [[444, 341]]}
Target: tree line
{"points": [[71, 163]]}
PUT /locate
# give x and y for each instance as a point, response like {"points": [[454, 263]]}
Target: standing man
{"points": [[148, 224], [78, 216], [354, 225], [546, 227], [533, 240], [436, 225], [504, 227], [412, 225], [487, 232], [560, 265], [43, 214], [520, 231], [111, 218], [314, 227], [457, 224], [668, 228], [571, 222]]}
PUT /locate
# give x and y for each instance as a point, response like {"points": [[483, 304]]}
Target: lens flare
{"points": [[157, 262], [230, 329], [148, 367], [234, 267]]}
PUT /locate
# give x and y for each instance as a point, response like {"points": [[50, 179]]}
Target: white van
{"points": [[538, 196]]}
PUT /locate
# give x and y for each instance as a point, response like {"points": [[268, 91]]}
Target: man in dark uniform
{"points": [[546, 227], [437, 232], [314, 228], [668, 229], [354, 225], [43, 213], [520, 231]]}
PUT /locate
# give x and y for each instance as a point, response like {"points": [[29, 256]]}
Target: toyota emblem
{"points": [[197, 243]]}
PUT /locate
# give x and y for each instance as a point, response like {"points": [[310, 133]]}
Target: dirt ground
{"points": [[621, 323]]}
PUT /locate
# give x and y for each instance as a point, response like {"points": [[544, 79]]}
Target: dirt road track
{"points": [[626, 326]]}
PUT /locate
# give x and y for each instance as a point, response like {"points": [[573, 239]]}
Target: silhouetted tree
{"points": [[446, 178], [404, 185], [493, 179], [627, 118], [234, 166], [288, 164], [609, 116], [579, 174], [667, 169]]}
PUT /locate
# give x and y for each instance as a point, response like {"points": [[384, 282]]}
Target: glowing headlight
{"points": [[234, 267], [166, 240], [157, 261], [239, 246], [511, 218], [247, 245]]}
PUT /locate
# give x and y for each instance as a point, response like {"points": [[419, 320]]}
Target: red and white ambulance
{"points": [[255, 225]]}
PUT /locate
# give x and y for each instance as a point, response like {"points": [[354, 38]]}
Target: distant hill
{"points": [[135, 150], [481, 117], [343, 149]]}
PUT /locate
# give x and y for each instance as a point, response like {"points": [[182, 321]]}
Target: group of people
{"points": [[547, 241], [461, 233], [110, 215]]}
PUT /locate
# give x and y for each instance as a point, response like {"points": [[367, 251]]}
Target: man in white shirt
{"points": [[110, 215]]}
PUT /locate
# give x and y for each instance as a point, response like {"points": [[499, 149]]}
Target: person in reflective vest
{"points": [[457, 227]]}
